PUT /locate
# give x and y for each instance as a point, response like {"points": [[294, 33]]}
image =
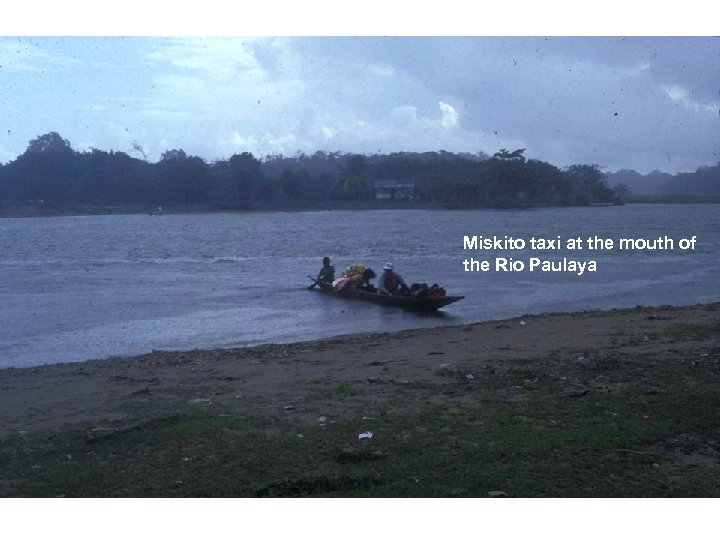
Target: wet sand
{"points": [[620, 350]]}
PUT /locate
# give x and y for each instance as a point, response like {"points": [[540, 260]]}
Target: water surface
{"points": [[76, 288]]}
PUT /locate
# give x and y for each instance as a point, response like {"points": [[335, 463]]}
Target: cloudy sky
{"points": [[642, 103]]}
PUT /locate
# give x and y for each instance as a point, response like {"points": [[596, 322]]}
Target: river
{"points": [[78, 288]]}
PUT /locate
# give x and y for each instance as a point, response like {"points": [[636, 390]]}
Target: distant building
{"points": [[394, 190]]}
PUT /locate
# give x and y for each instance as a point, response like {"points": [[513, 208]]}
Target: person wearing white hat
{"points": [[390, 281]]}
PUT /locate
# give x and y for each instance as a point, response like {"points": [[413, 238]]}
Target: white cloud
{"points": [[267, 143], [681, 96], [235, 143], [213, 55], [383, 70], [22, 55], [404, 114], [449, 115]]}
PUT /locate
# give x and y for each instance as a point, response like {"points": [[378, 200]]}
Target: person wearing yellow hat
{"points": [[356, 275]]}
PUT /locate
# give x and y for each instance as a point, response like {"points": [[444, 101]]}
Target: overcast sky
{"points": [[642, 103]]}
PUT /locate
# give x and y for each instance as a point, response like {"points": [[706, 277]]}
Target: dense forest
{"points": [[704, 181], [52, 174]]}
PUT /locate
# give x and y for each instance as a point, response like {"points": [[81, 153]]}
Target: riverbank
{"points": [[47, 211], [100, 210], [615, 403], [44, 211], [677, 198]]}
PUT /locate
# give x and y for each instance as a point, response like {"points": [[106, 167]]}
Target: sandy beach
{"points": [[638, 384]]}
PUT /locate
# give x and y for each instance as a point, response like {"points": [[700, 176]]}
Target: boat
{"points": [[428, 303]]}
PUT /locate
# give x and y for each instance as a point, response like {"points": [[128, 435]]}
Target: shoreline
{"points": [[640, 386], [352, 335], [119, 210], [170, 357], [340, 337], [21, 213]]}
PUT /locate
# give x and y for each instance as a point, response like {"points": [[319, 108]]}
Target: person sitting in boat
{"points": [[368, 274], [327, 273], [357, 276], [391, 282]]}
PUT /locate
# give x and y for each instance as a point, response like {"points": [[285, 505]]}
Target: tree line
{"points": [[52, 173], [702, 182]]}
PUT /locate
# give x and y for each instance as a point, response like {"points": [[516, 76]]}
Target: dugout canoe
{"points": [[407, 302]]}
